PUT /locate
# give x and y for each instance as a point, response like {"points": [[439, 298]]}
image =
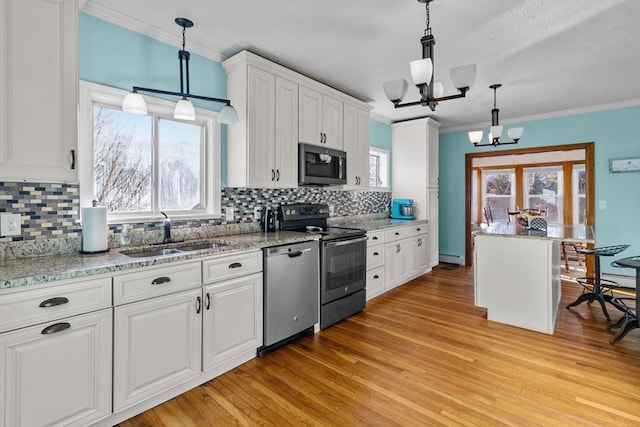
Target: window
{"points": [[498, 192], [138, 165], [543, 190], [378, 168], [579, 192]]}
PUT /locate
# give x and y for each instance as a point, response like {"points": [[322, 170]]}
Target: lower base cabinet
{"points": [[157, 346], [57, 373], [232, 320]]}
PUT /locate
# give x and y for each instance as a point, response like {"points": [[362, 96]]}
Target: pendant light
{"points": [[134, 102], [422, 75], [495, 132]]}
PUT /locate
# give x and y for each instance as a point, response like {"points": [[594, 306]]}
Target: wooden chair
{"points": [[513, 214], [576, 249], [488, 216]]}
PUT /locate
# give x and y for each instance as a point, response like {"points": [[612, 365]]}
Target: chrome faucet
{"points": [[166, 224]]}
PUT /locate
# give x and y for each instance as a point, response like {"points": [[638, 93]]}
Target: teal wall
{"points": [[114, 56], [616, 133]]}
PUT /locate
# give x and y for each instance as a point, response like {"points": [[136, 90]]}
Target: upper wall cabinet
{"points": [[38, 90], [356, 144], [320, 119], [277, 108]]}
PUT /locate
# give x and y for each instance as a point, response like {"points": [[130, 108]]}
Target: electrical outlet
{"points": [[257, 213], [602, 204], [228, 213], [10, 225]]}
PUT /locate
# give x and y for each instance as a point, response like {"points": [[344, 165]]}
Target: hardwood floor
{"points": [[422, 354]]}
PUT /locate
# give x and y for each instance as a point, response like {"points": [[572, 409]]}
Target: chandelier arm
{"points": [[495, 144], [181, 94]]}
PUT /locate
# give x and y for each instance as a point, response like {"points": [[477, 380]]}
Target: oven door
{"points": [[342, 268]]}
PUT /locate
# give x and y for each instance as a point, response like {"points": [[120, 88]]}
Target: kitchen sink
{"points": [[155, 252], [201, 246]]}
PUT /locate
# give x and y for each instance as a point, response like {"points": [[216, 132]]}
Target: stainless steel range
{"points": [[343, 253]]}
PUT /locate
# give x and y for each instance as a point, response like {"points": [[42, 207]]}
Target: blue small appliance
{"points": [[399, 208]]}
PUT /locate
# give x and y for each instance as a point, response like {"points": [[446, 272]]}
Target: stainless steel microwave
{"points": [[321, 165]]}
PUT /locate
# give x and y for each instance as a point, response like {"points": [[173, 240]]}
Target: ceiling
{"points": [[549, 55]]}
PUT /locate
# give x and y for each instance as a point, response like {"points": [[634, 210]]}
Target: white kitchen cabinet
{"points": [[415, 172], [57, 373], [356, 144], [157, 345], [320, 119], [232, 321], [38, 90], [419, 263], [375, 263], [397, 258], [263, 148]]}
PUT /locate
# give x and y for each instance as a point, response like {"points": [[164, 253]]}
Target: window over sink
{"points": [[139, 165], [378, 168]]}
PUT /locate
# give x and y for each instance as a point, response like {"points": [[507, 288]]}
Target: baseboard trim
{"points": [[452, 259]]}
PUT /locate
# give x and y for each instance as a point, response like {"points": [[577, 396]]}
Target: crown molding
{"points": [[379, 118], [173, 38], [550, 115]]}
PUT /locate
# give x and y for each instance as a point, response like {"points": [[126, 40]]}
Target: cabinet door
{"points": [[350, 127], [419, 262], [232, 320], [58, 373], [332, 122], [261, 120], [362, 148], [375, 282], [310, 116], [395, 263], [433, 146], [434, 246], [38, 63], [157, 345], [286, 134]]}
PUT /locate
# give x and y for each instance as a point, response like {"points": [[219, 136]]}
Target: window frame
{"points": [[92, 93], [384, 167]]}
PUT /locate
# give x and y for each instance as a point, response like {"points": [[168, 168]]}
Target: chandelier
{"points": [[496, 129], [422, 75], [184, 110]]}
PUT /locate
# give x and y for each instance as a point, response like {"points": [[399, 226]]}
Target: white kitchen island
{"points": [[517, 272]]}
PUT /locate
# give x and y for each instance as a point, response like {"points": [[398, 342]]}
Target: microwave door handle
{"points": [[345, 242]]}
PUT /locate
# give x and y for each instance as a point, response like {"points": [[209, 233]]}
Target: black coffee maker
{"points": [[268, 220]]}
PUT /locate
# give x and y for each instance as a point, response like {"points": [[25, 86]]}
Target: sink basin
{"points": [[156, 252], [201, 246]]}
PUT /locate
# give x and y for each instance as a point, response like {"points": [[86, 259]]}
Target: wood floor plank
{"points": [[422, 354]]}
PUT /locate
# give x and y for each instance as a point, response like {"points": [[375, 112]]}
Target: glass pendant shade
{"points": [[228, 115], [438, 90], [475, 136], [184, 110], [496, 132], [134, 103], [421, 71], [515, 133], [395, 89], [463, 76]]}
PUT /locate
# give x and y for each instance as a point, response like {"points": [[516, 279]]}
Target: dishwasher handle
{"points": [[297, 253]]}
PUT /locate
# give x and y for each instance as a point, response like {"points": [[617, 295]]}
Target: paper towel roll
{"points": [[94, 229]]}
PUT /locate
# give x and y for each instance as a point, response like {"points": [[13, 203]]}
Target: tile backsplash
{"points": [[50, 213]]}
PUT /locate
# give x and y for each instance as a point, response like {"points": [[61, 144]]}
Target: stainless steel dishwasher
{"points": [[291, 293]]}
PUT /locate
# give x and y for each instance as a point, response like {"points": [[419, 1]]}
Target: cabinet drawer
{"points": [[395, 233], [375, 237], [416, 230], [375, 256], [227, 267], [44, 305], [375, 282], [155, 281]]}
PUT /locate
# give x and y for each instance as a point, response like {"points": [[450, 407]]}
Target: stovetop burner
{"points": [[312, 218]]}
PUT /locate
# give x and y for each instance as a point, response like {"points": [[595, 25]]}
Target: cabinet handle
{"points": [[52, 302], [277, 174], [376, 277], [396, 233], [160, 280], [73, 159], [376, 254], [56, 327], [419, 242], [417, 229], [397, 248], [374, 238], [198, 305], [235, 265], [207, 303], [273, 175]]}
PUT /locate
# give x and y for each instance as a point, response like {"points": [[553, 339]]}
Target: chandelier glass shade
{"points": [[184, 110], [495, 132], [422, 71]]}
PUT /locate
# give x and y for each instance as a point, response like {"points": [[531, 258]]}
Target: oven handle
{"points": [[345, 242]]}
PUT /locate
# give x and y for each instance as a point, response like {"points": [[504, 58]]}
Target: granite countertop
{"points": [[563, 232], [378, 224], [32, 271]]}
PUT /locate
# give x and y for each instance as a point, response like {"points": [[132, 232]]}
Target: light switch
{"points": [[602, 204]]}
